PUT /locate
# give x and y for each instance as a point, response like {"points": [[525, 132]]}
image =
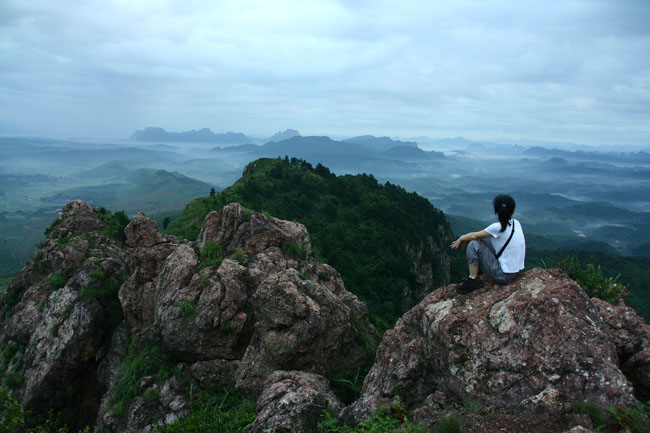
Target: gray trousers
{"points": [[480, 252]]}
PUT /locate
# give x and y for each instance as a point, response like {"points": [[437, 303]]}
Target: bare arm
{"points": [[461, 241]]}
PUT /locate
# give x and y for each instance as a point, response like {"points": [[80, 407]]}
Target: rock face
{"points": [[293, 401], [245, 300], [536, 344]]}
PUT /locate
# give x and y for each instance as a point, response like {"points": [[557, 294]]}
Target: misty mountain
{"points": [[408, 153], [624, 157], [204, 135], [283, 135], [379, 144]]}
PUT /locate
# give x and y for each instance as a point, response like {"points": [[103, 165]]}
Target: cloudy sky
{"points": [[571, 70]]}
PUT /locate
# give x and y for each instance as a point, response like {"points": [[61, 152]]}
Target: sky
{"points": [[571, 70]]}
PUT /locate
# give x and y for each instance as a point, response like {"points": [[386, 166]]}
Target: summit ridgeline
{"points": [[390, 246]]}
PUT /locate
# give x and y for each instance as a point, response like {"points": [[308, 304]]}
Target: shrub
{"points": [[115, 223], [14, 380], [635, 418], [12, 298], [211, 255], [593, 282]]}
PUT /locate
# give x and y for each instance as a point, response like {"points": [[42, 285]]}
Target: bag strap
{"points": [[508, 241]]}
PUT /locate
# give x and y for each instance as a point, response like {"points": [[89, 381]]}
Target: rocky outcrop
{"points": [[534, 345], [245, 300], [64, 314], [248, 306], [293, 401], [631, 336]]}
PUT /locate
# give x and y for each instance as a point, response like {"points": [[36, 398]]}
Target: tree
{"points": [[213, 193], [166, 222]]}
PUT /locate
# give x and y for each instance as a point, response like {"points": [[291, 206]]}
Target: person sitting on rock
{"points": [[502, 256]]}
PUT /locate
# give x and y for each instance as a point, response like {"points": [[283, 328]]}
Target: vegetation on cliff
{"points": [[360, 227]]}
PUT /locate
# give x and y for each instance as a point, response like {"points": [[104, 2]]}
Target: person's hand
{"points": [[457, 244]]}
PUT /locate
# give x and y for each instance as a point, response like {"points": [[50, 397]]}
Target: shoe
{"points": [[469, 285]]}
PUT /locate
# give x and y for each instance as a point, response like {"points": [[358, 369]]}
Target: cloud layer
{"points": [[571, 70]]}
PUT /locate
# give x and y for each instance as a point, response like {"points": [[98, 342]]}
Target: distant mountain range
{"points": [[204, 135]]}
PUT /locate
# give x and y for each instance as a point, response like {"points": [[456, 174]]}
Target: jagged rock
{"points": [[142, 232], [214, 372], [237, 228], [300, 325], [293, 401], [148, 250], [536, 344], [64, 315], [631, 336]]}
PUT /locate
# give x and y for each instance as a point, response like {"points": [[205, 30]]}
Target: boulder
{"points": [[533, 345], [293, 401], [631, 336]]}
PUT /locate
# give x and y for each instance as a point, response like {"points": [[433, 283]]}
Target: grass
{"points": [[220, 409], [385, 420], [146, 362], [239, 256], [211, 255], [56, 280], [587, 407], [472, 405], [294, 250], [186, 309], [450, 423]]}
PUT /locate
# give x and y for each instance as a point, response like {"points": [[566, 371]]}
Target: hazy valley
{"points": [[587, 199]]}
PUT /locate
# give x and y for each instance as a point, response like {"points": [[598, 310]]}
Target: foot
{"points": [[469, 285]]}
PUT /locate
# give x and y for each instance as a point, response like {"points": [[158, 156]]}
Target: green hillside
{"points": [[147, 190], [358, 226]]}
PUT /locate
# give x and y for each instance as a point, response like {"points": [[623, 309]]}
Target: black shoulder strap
{"points": [[508, 241]]}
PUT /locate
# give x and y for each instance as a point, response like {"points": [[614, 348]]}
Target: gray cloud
{"points": [[571, 70]]}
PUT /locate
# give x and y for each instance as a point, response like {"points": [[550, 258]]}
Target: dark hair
{"points": [[504, 207]]}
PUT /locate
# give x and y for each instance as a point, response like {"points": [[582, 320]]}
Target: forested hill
{"points": [[390, 246]]}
